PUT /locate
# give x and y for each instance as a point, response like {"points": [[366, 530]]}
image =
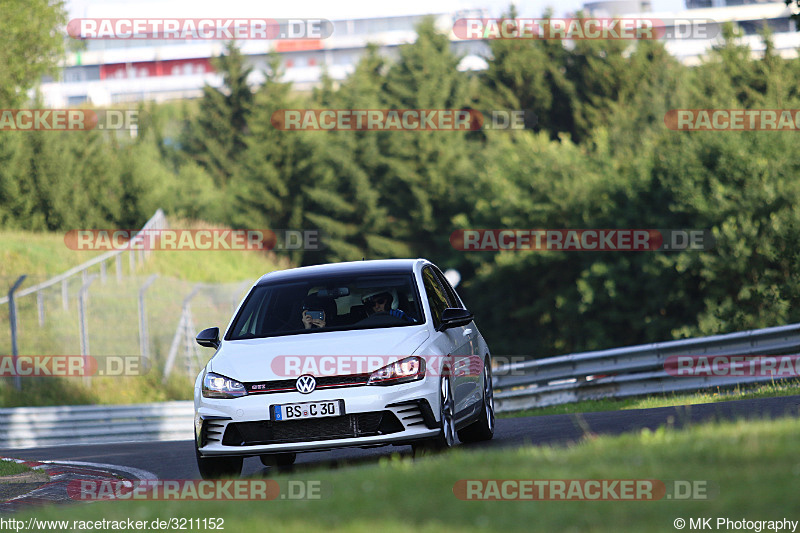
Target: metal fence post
{"points": [[144, 340], [40, 307], [180, 332], [12, 313], [64, 299], [83, 324]]}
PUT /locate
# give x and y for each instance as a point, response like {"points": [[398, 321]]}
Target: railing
{"points": [[633, 370], [617, 373], [24, 427]]}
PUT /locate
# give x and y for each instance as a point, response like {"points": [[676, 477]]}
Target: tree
{"points": [[344, 200], [215, 136], [267, 189], [531, 75], [31, 44], [428, 175]]}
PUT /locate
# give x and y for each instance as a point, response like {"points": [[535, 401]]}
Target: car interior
{"points": [[279, 310]]}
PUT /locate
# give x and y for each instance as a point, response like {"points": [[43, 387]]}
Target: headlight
{"points": [[216, 386], [402, 371]]}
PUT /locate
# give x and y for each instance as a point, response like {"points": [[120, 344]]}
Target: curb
{"points": [[61, 474]]}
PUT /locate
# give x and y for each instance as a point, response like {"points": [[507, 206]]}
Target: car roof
{"points": [[378, 266]]}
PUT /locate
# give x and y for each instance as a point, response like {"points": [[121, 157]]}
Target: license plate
{"points": [[298, 411]]}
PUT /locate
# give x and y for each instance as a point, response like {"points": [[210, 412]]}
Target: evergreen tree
{"points": [[430, 175], [215, 137], [345, 201], [530, 75], [267, 191]]}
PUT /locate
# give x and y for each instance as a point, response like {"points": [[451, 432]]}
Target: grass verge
{"points": [[753, 466], [10, 468]]}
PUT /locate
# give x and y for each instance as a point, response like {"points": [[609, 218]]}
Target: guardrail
{"points": [[25, 427], [633, 370], [618, 373]]}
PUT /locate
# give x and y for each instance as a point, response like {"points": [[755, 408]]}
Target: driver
{"points": [[381, 302]]}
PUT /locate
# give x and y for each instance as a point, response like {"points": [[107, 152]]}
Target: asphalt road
{"points": [[175, 460]]}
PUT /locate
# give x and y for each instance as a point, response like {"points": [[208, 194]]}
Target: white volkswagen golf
{"points": [[363, 354]]}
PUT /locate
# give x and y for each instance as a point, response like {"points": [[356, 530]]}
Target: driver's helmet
{"points": [[379, 296]]}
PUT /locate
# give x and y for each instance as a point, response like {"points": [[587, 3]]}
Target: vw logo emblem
{"points": [[306, 384]]}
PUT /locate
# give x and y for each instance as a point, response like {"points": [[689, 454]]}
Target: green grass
{"points": [[101, 391], [751, 468], [39, 255], [43, 255], [10, 468], [766, 390], [112, 309]]}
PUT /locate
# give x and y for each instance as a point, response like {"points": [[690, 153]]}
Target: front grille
{"points": [[329, 428], [324, 382]]}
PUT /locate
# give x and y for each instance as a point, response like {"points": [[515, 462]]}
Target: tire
{"points": [[483, 429], [447, 436], [278, 459], [218, 467]]}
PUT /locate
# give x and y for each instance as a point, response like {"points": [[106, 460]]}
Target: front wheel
{"points": [[447, 436], [483, 429], [218, 467]]}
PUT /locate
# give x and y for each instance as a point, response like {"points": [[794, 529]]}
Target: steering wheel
{"points": [[284, 323], [381, 318]]}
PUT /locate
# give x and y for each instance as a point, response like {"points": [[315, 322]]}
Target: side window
{"points": [[435, 294], [452, 298]]}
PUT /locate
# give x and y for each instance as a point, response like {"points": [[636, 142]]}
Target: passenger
{"points": [[317, 311]]}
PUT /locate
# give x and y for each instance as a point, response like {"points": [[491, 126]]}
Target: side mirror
{"points": [[453, 317], [208, 338]]}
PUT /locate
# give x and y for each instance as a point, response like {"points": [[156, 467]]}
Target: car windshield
{"points": [[327, 304]]}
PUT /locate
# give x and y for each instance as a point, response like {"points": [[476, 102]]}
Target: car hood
{"points": [[264, 359]]}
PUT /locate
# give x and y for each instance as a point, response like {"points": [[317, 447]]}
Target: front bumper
{"points": [[374, 416]]}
